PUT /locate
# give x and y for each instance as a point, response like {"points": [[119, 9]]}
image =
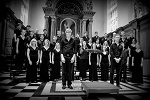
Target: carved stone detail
{"points": [[89, 5], [68, 8], [49, 3]]}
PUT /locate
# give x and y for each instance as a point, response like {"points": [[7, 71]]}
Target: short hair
{"points": [[96, 32], [28, 26], [117, 35], [23, 30], [19, 24], [134, 40], [44, 29], [31, 30], [114, 33], [68, 30]]}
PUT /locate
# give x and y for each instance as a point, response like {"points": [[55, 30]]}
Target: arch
{"points": [[75, 28], [68, 8], [80, 3]]}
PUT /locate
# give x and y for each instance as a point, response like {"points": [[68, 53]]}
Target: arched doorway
{"points": [[68, 23]]}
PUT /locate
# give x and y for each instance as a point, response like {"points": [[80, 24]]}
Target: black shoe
{"points": [[70, 87], [63, 87]]}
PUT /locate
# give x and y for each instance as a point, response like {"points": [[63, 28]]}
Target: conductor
{"points": [[68, 51]]}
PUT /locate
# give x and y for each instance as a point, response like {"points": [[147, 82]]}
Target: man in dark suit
{"points": [[104, 38], [68, 51], [28, 27], [95, 37], [115, 52], [45, 34], [85, 37], [59, 37]]}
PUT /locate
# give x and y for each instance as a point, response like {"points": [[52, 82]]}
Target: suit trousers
{"points": [[67, 71], [115, 66]]}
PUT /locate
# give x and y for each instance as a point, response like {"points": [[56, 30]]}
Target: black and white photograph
{"points": [[74, 49]]}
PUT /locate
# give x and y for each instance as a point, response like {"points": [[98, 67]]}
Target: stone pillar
{"points": [[83, 26], [53, 25], [46, 22], [46, 25], [90, 27]]}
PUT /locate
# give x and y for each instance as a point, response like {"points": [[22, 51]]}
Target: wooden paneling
{"points": [[7, 27]]}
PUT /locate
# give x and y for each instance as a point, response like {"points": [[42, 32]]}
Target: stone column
{"points": [[46, 25], [46, 22], [53, 20], [90, 27], [83, 26]]}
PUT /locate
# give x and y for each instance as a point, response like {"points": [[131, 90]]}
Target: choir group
{"points": [[34, 51]]}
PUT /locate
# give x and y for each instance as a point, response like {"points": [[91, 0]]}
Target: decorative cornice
{"points": [[90, 20], [46, 16], [88, 13], [47, 9]]}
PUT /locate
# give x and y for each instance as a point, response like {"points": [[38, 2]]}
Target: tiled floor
{"points": [[17, 89]]}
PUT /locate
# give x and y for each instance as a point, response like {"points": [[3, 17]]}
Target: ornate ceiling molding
{"points": [[81, 7], [89, 5], [84, 5], [48, 11], [89, 13]]}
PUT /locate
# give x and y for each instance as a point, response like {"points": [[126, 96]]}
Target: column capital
{"points": [[84, 19], [90, 20], [53, 18], [46, 16]]}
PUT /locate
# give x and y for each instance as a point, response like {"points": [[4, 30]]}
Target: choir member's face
{"points": [[105, 35], [23, 32], [54, 38], [34, 43], [46, 42], [97, 41], [31, 33], [37, 31], [96, 34], [133, 41], [58, 33], [81, 40], [84, 43], [117, 38], [137, 46], [28, 28], [90, 40], [77, 35], [68, 34], [19, 26], [42, 37], [131, 35], [123, 34], [45, 31], [114, 34], [105, 43], [57, 45], [85, 34]]}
